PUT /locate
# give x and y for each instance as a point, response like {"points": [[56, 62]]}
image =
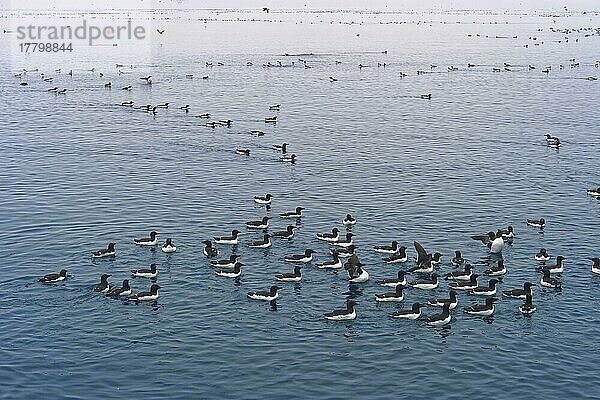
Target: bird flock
{"points": [[339, 252]]}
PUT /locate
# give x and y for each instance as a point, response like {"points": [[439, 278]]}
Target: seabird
{"points": [[461, 275], [399, 257], [387, 249], [465, 285], [151, 272], [209, 250], [270, 295], [457, 259], [126, 88], [54, 277], [442, 318], [287, 234], [336, 263], [355, 272], [342, 315], [292, 214], [108, 252], [594, 192], [226, 263], [413, 313], [344, 242], [301, 258], [243, 152], [344, 252], [397, 295], [295, 276], [262, 224], [168, 247], [489, 290], [452, 300], [148, 79], [595, 265], [147, 241], [281, 147], [233, 239], [349, 220], [288, 158], [542, 255], [548, 281], [538, 223], [103, 286], [427, 284], [124, 290], [329, 237], [271, 120], [527, 307], [147, 296], [275, 107], [496, 270], [263, 199], [231, 273], [519, 293], [484, 310], [261, 244], [556, 268]]}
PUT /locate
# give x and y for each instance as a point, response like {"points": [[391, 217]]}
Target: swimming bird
{"points": [[551, 139], [489, 290], [287, 234], [423, 258], [146, 296], [508, 233], [595, 265], [452, 301], [329, 237], [292, 214], [457, 259], [151, 272], [486, 239], [336, 263], [344, 242], [231, 273], [271, 120], [426, 96], [295, 276], [427, 284], [355, 272], [168, 247], [424, 267], [496, 270], [412, 313], [148, 79], [103, 286], [436, 258], [205, 115], [387, 249], [185, 108], [163, 105], [556, 268], [527, 307], [288, 158], [344, 252], [160, 31], [594, 192], [397, 295], [54, 277], [54, 89], [281, 147], [548, 281], [542, 255], [519, 293], [301, 258], [461, 275], [124, 290], [484, 310], [226, 263], [465, 285], [261, 244], [442, 318], [262, 224], [332, 79], [147, 241], [263, 199], [108, 252], [233, 239], [209, 250], [275, 107], [393, 282], [537, 223], [243, 152], [342, 315], [127, 104], [128, 88], [349, 220], [257, 133], [62, 91], [497, 243], [270, 295], [399, 257]]}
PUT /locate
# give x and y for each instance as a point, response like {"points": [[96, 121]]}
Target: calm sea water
{"points": [[78, 171]]}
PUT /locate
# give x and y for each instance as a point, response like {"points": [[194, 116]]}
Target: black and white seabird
{"points": [[147, 241], [261, 244], [423, 267], [292, 214], [295, 276], [427, 284], [497, 244], [397, 295], [151, 272], [457, 259], [287, 234], [356, 274], [548, 281], [168, 247], [148, 79], [124, 290], [271, 120], [537, 223], [484, 310], [436, 258], [329, 237], [452, 300], [336, 263], [108, 252], [270, 295], [243, 152], [423, 258], [209, 250], [594, 192], [508, 233], [227, 263], [281, 147], [263, 199], [344, 252], [442, 318], [387, 249], [233, 239], [527, 308], [465, 285], [301, 258], [344, 242], [412, 313], [349, 220], [146, 296], [399, 257], [519, 293], [288, 158], [489, 290], [556, 268], [231, 273], [496, 270], [595, 265], [393, 282], [344, 314], [262, 224], [54, 277], [103, 286], [274, 107], [542, 255], [461, 275]]}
